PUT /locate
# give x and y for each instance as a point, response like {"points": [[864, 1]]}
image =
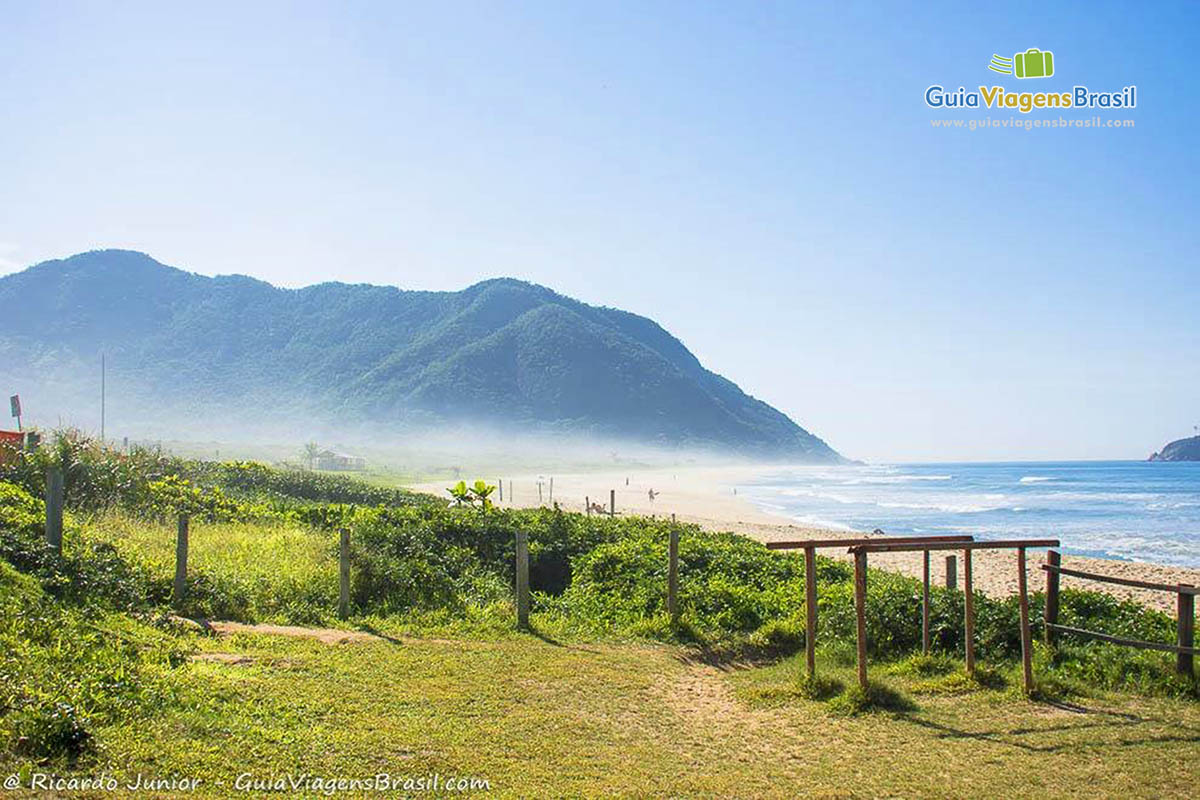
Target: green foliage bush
{"points": [[63, 671], [252, 479], [87, 572]]}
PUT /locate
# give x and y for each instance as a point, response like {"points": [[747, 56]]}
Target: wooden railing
{"points": [[891, 546], [810, 547], [1185, 620]]}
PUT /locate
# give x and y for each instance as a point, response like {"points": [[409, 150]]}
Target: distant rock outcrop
{"points": [[1180, 450]]}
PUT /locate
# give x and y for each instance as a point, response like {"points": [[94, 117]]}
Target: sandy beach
{"points": [[706, 496]]}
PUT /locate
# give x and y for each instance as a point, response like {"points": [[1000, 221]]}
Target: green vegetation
{"points": [[96, 672]]}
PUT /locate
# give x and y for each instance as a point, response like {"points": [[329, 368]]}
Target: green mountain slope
{"points": [[502, 351]]}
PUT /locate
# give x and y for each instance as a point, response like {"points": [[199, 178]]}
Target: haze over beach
{"points": [[599, 399]]}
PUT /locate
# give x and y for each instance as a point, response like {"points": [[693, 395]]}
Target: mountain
{"points": [[1180, 450], [502, 351]]}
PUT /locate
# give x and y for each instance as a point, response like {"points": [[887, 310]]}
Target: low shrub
{"points": [[65, 671]]}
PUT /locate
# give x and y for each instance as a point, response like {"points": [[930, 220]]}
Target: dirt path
{"points": [[711, 714], [325, 635]]}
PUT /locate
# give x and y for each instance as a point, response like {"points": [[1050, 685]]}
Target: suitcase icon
{"points": [[1034, 63]]}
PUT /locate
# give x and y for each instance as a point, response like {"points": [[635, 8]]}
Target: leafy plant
{"points": [[481, 493], [311, 450], [461, 494]]}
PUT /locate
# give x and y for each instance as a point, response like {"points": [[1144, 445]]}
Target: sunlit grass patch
{"points": [[265, 571], [924, 666], [876, 697], [960, 681]]}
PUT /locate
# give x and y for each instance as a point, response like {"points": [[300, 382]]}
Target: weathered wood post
{"points": [[673, 572], [951, 572], [522, 578], [181, 559], [969, 612], [810, 611], [925, 605], [587, 503], [612, 502], [1026, 636], [539, 492], [1053, 560], [343, 573], [54, 508], [860, 611], [1186, 628], [551, 489], [500, 484]]}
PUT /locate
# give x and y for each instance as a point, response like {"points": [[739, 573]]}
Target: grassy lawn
{"points": [[536, 717]]}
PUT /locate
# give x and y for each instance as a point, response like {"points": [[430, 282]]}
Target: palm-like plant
{"points": [[482, 492], [460, 493], [311, 451]]}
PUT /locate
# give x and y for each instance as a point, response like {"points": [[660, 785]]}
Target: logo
{"points": [[1033, 63]]}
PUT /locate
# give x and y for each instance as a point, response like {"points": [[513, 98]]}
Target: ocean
{"points": [[1132, 510]]}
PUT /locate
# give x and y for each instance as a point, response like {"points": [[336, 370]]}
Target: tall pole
{"points": [[102, 398]]}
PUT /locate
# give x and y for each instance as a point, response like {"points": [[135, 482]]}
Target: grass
{"points": [[538, 718], [265, 571]]}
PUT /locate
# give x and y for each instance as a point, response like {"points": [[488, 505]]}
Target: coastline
{"points": [[705, 496]]}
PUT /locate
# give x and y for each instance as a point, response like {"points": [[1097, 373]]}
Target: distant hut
{"points": [[340, 462]]}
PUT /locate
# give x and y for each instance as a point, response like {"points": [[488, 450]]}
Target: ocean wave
{"points": [[819, 495], [819, 522], [1035, 479], [945, 508], [884, 480], [1166, 506]]}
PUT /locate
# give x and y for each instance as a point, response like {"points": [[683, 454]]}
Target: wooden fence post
{"points": [[925, 605], [1186, 625], [969, 612], [522, 578], [860, 610], [181, 559], [1026, 636], [673, 573], [587, 502], [539, 492], [1053, 559], [344, 574], [551, 490], [54, 507], [612, 502], [951, 572], [810, 611], [500, 484]]}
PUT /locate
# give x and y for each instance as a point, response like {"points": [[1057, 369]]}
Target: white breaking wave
{"points": [[889, 479], [945, 508], [1035, 479]]}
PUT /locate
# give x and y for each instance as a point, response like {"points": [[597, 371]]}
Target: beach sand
{"points": [[705, 496]]}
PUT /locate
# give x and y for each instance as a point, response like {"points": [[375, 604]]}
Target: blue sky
{"points": [[762, 179]]}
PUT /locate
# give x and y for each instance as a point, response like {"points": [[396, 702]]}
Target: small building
{"points": [[340, 462]]}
